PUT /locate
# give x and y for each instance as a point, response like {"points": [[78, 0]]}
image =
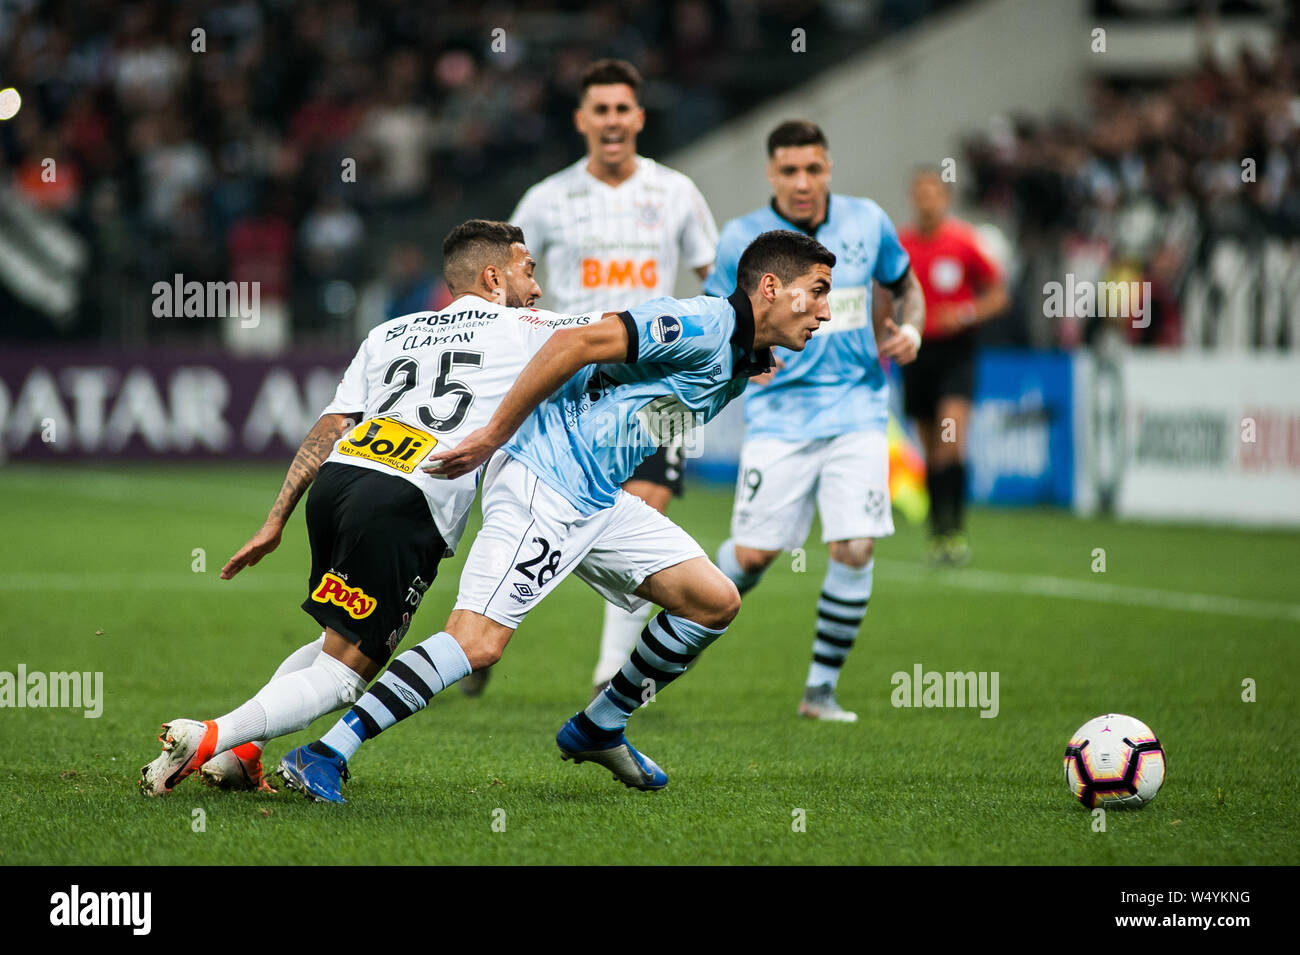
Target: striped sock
{"points": [[667, 646], [406, 687], [845, 593]]}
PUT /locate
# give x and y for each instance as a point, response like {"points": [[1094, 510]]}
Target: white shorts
{"points": [[532, 538], [846, 478]]}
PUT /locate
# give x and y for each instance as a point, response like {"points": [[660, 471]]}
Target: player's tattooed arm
{"points": [[556, 362], [313, 451], [902, 342]]}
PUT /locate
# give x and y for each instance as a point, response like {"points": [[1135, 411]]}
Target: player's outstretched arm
{"points": [[903, 341], [313, 451], [555, 363]]}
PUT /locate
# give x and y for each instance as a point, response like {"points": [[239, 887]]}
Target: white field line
{"points": [[966, 578], [1062, 588], [151, 580]]}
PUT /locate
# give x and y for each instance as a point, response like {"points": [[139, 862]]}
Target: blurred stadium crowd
{"points": [[228, 163], [1152, 186]]}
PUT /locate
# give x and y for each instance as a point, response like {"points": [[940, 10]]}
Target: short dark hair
{"points": [[784, 253], [472, 246], [930, 171], [796, 132], [611, 72]]}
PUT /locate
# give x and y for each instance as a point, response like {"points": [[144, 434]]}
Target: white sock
{"points": [[290, 702], [247, 718], [301, 658], [619, 636]]}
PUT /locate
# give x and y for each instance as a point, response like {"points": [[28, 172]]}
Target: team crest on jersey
{"points": [[666, 329], [855, 253], [651, 212]]}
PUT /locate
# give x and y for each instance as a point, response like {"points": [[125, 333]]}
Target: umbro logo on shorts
{"points": [[354, 600], [524, 590]]}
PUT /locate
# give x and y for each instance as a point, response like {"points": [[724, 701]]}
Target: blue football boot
{"points": [[319, 778], [629, 767]]}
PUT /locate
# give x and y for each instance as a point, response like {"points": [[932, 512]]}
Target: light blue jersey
{"points": [[836, 384], [686, 359]]}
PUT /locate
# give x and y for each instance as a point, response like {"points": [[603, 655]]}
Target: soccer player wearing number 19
{"points": [[569, 436], [815, 432], [377, 524]]}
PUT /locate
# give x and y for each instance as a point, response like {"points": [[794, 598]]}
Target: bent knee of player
{"points": [[853, 553], [754, 561], [718, 603], [482, 640]]}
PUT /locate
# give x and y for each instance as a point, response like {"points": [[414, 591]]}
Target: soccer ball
{"points": [[1114, 762]]}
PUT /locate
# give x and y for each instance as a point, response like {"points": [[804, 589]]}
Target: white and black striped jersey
{"points": [[421, 382]]}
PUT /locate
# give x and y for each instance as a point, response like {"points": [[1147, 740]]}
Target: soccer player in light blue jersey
{"points": [[815, 430], [593, 403]]}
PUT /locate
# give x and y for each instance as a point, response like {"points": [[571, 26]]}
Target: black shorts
{"points": [[944, 368], [664, 468], [374, 552]]}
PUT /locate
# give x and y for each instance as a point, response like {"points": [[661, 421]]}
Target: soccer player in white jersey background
{"points": [[815, 431], [609, 232], [377, 525]]}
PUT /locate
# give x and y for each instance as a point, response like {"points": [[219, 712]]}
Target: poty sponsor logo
{"points": [[58, 690], [74, 907], [181, 299], [922, 688], [354, 600]]}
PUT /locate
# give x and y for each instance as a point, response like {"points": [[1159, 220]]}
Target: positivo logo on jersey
{"points": [[666, 329]]}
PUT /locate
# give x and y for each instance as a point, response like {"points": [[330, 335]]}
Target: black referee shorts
{"points": [[944, 368], [664, 468], [374, 551]]}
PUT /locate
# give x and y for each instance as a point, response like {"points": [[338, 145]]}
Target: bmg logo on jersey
{"points": [[666, 329], [600, 273], [333, 590]]}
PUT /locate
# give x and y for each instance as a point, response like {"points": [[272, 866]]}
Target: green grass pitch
{"points": [[98, 574]]}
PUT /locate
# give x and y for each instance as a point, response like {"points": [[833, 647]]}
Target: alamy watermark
{"points": [[1085, 299], [75, 907], [181, 299], [931, 688], [57, 690]]}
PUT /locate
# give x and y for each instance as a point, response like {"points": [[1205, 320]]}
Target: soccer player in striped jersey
{"points": [[377, 524], [609, 232], [815, 431]]}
